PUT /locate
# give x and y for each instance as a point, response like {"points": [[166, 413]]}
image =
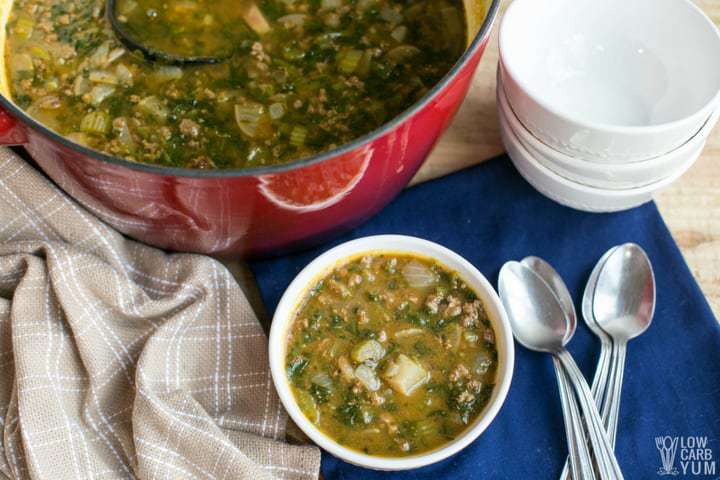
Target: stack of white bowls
{"points": [[604, 102]]}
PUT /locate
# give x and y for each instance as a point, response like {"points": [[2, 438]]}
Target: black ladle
{"points": [[150, 53]]}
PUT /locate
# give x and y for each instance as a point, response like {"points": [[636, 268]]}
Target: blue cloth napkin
{"points": [[490, 215]]}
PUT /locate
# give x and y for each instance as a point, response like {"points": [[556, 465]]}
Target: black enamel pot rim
{"points": [[484, 31]]}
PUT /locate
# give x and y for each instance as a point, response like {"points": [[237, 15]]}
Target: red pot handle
{"points": [[11, 131]]}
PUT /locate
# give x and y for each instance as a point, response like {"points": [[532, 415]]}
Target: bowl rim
{"points": [[478, 40], [600, 126], [524, 136], [324, 263], [585, 189]]}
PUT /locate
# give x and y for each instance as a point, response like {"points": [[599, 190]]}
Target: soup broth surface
{"points": [[299, 76], [392, 355]]}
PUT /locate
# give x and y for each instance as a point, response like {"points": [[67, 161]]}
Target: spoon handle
{"points": [[600, 380], [607, 463], [619, 353], [598, 389], [579, 460]]}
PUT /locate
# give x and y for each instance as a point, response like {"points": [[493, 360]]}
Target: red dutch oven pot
{"points": [[254, 211]]}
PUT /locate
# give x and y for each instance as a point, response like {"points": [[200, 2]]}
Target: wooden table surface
{"points": [[691, 207]]}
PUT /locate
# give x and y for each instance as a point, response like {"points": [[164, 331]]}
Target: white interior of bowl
{"points": [[285, 312], [614, 62]]}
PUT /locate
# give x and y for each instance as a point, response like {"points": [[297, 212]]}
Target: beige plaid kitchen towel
{"points": [[118, 360]]}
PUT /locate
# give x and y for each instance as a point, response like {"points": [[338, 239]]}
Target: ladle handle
{"points": [[579, 460], [608, 467]]}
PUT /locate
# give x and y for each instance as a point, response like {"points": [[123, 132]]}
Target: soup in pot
{"points": [[296, 77]]}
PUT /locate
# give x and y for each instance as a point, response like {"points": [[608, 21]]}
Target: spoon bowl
{"points": [[624, 298], [545, 271], [537, 319]]}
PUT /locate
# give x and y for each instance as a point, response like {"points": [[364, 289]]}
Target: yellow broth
{"points": [[391, 355], [300, 77]]}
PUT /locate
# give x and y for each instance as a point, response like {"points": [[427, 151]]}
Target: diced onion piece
{"points": [[453, 336], [276, 111], [482, 363], [418, 275], [328, 4], [322, 379], [346, 370], [126, 7], [22, 62], [370, 350], [124, 136], [52, 84], [79, 137], [114, 55], [390, 15], [100, 55], [349, 60], [81, 85], [308, 406], [248, 113], [399, 33], [367, 378], [167, 73], [297, 136], [103, 77], [99, 93], [293, 19], [39, 52], [247, 117], [96, 123], [124, 74], [403, 52], [408, 332], [24, 27], [365, 4], [363, 67], [256, 20], [405, 375], [184, 6], [154, 107], [470, 337], [48, 102]]}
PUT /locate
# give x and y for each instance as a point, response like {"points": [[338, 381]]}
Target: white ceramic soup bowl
{"points": [[610, 81], [324, 264], [619, 176], [577, 195]]}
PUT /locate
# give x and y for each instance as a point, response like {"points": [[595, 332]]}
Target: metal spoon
{"points": [[599, 383], [623, 307], [579, 459], [539, 323], [603, 365]]}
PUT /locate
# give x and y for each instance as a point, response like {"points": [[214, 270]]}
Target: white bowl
{"points": [[285, 313], [608, 176], [576, 195], [610, 81]]}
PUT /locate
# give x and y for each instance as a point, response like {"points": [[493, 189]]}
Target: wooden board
{"points": [[691, 207]]}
